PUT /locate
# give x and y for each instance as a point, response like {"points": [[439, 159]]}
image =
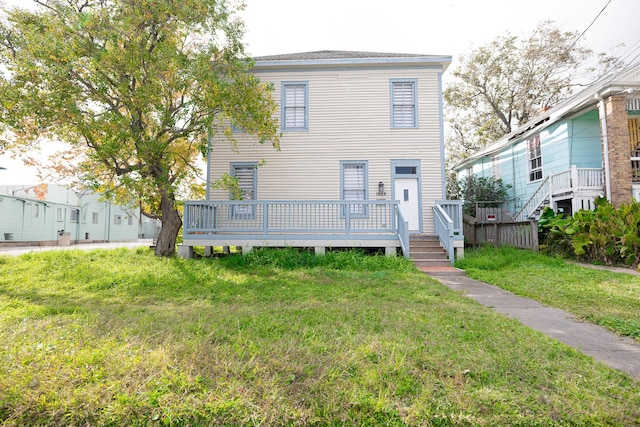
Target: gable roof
{"points": [[626, 80], [347, 57]]}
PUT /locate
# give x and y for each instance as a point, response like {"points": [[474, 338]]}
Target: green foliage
{"points": [[292, 258], [602, 297], [135, 88], [476, 189], [607, 234], [112, 338], [553, 235]]}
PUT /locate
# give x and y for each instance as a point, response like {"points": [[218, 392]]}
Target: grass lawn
{"points": [[602, 297], [277, 338]]}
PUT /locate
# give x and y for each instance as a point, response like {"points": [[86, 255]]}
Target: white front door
{"points": [[406, 191]]}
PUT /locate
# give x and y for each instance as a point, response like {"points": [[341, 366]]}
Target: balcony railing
{"points": [[568, 181]]}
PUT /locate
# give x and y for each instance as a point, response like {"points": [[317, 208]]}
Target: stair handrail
{"points": [[444, 228], [403, 233], [534, 202]]}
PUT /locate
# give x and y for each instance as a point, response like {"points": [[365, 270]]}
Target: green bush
{"points": [[607, 234], [480, 189]]}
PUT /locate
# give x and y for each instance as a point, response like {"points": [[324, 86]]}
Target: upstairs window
{"points": [[295, 106], [535, 159], [404, 104]]}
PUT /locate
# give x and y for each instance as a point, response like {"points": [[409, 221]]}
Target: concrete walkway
{"points": [[614, 351]]}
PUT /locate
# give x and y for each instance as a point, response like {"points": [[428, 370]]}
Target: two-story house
{"points": [[586, 146], [361, 161]]}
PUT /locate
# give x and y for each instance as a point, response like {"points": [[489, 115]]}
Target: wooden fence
{"points": [[516, 234]]}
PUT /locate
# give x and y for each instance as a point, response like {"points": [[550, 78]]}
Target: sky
{"points": [[447, 27]]}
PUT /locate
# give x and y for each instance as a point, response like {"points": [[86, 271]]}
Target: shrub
{"points": [[479, 189], [607, 234]]}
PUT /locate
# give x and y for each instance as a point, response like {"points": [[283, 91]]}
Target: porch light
{"points": [[381, 189]]}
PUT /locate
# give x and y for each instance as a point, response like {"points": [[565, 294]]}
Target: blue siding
{"points": [[555, 149], [586, 147]]}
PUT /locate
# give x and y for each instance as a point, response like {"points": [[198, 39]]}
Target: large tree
{"points": [[504, 84], [134, 87]]}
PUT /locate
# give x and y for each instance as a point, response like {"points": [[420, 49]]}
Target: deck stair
{"points": [[426, 251]]}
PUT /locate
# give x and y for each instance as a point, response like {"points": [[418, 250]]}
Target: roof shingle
{"points": [[338, 54]]}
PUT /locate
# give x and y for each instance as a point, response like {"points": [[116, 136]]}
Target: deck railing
{"points": [[448, 224], [571, 180], [269, 219]]}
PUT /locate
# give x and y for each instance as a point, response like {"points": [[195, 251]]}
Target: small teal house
{"points": [[585, 147], [42, 214]]}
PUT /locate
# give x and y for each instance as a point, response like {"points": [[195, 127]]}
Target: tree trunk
{"points": [[171, 223]]}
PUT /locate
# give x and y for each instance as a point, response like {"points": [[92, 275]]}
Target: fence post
{"points": [[265, 217], [347, 218], [496, 236], [534, 236]]}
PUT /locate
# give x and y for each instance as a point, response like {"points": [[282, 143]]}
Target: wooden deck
{"points": [[310, 224]]}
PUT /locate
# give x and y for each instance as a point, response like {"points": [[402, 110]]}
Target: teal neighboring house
{"points": [[585, 147], [51, 214]]}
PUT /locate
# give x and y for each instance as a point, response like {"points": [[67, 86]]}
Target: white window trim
{"points": [[531, 158]]}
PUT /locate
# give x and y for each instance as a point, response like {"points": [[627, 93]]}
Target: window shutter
{"points": [[294, 116], [245, 177], [353, 176], [403, 104]]}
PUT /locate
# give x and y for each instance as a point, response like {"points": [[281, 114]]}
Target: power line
{"points": [[590, 25]]}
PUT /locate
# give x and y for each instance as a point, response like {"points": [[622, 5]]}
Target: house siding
{"points": [[586, 150], [11, 213], [25, 218], [348, 119]]}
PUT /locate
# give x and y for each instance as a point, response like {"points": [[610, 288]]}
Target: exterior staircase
{"points": [[429, 256]]}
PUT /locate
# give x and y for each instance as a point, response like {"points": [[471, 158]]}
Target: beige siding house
{"points": [[361, 160]]}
